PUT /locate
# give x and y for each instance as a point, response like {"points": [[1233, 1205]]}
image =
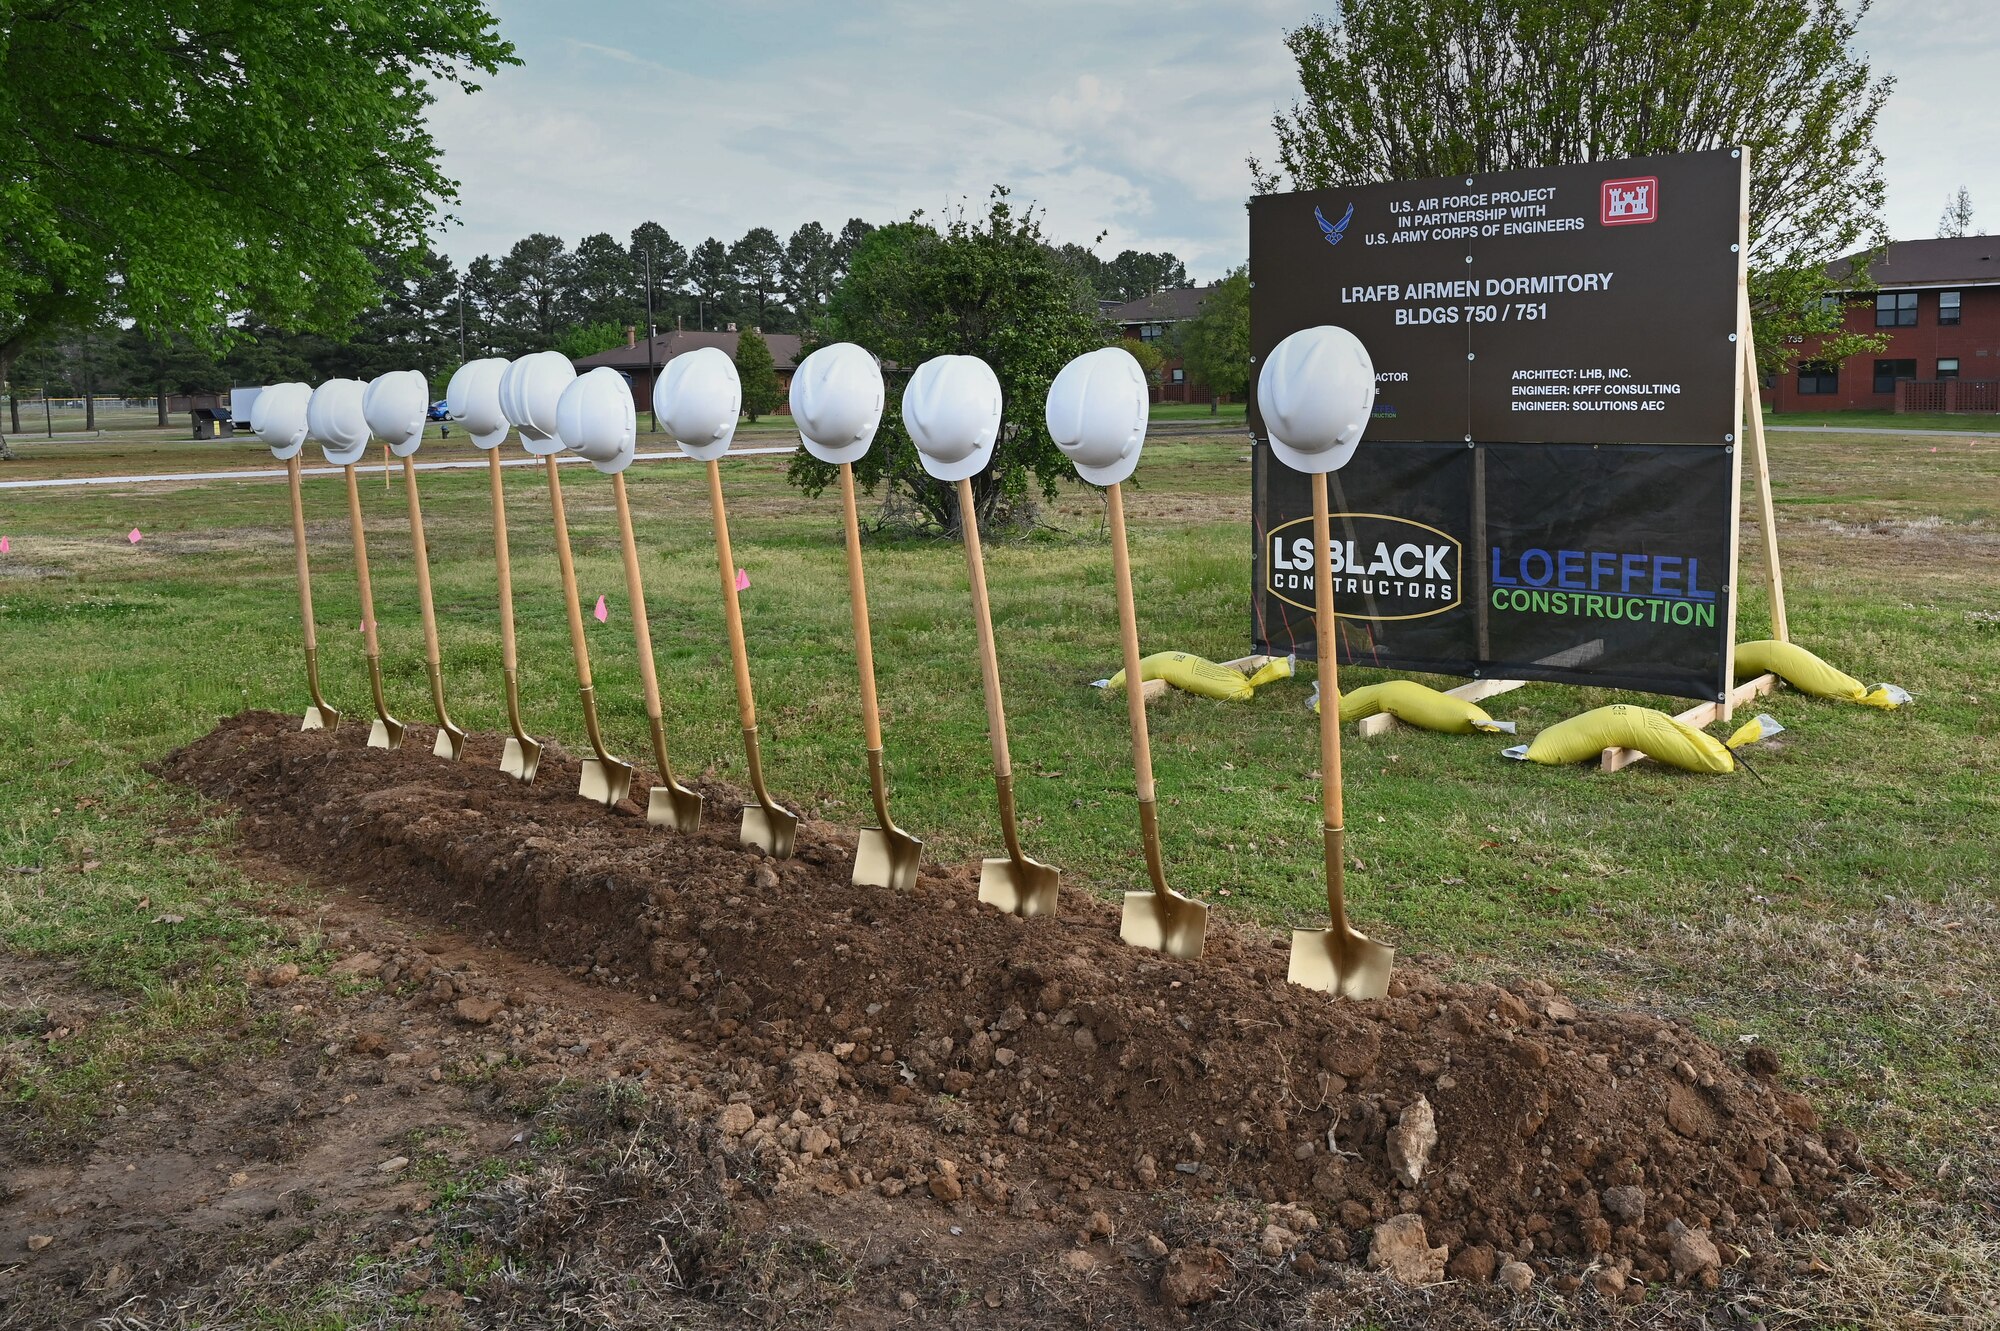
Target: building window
{"points": [[1948, 367], [1180, 376], [1887, 372], [1830, 304], [1896, 309], [1818, 378], [1151, 332], [1948, 307]]}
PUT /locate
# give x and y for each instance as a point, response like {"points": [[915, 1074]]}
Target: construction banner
{"points": [[1453, 559], [1547, 488]]}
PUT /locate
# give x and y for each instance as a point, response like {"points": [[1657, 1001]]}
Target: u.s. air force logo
{"points": [[1383, 567]]}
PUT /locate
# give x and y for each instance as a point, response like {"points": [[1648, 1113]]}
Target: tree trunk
{"points": [[13, 403], [1214, 405]]}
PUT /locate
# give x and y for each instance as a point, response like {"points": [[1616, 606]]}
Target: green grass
{"points": [[1648, 885], [1197, 411], [1887, 420]]}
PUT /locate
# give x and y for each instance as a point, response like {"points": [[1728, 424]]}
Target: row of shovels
{"points": [[1315, 393]]}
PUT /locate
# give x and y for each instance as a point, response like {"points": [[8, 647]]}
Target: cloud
{"points": [[1128, 117]]}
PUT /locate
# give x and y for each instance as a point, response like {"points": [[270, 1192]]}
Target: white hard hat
{"points": [[698, 398], [396, 404], [278, 417], [1097, 414], [529, 391], [596, 420], [951, 407], [334, 417], [1314, 393], [837, 402], [474, 398]]}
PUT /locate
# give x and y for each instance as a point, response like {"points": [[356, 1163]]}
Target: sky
{"points": [[1134, 118]]}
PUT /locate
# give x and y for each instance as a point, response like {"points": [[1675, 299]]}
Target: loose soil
{"points": [[1107, 1134]]}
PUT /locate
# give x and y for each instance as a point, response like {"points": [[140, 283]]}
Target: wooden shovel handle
{"points": [[299, 550], [579, 647], [864, 645], [739, 656], [361, 565], [508, 653], [642, 633], [982, 618], [1329, 708], [421, 550], [1128, 636]]}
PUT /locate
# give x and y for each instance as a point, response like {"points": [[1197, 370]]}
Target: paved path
{"points": [[1876, 429], [60, 482]]}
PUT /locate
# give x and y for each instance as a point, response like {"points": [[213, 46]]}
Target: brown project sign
{"points": [[1546, 489]]}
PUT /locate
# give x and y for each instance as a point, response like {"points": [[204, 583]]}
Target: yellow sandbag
{"points": [[1655, 734], [1808, 674], [1423, 707], [1185, 670], [1278, 667]]}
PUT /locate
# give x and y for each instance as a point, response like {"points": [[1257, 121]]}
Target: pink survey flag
{"points": [[133, 536], [4, 547], [742, 579], [601, 612]]}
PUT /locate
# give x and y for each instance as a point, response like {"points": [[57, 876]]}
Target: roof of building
{"points": [[666, 346], [1930, 263], [1162, 307]]}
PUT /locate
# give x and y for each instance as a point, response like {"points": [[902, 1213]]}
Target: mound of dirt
{"points": [[924, 1046]]}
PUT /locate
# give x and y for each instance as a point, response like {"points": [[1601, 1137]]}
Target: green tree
{"points": [[188, 160], [1134, 274], [992, 288], [710, 281], [670, 272], [1409, 89], [532, 287], [589, 339], [1957, 217], [1152, 359], [761, 390], [1214, 346], [601, 282], [754, 264], [808, 272]]}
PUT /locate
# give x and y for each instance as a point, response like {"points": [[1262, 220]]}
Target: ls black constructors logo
{"points": [[1383, 567]]}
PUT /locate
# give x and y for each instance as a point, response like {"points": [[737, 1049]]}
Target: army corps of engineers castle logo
{"points": [[1628, 201]]}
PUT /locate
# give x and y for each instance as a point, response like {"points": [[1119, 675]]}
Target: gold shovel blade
{"points": [[1022, 888], [771, 830], [1172, 924], [386, 733], [674, 806], [1352, 966], [320, 718], [520, 757], [886, 859], [604, 781], [449, 744]]}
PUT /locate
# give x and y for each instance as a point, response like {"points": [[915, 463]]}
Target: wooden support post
{"points": [[1760, 463], [1698, 716]]}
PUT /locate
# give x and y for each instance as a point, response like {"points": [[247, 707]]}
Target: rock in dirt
{"points": [[362, 965], [1516, 1277], [1401, 1248], [1473, 1264], [1694, 1255], [1760, 1060], [478, 1011], [1193, 1275], [815, 1072], [735, 1120], [1411, 1140], [1625, 1204], [280, 976], [37, 1242]]}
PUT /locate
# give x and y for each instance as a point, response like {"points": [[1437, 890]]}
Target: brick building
{"points": [[1938, 303], [1148, 319], [631, 359]]}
